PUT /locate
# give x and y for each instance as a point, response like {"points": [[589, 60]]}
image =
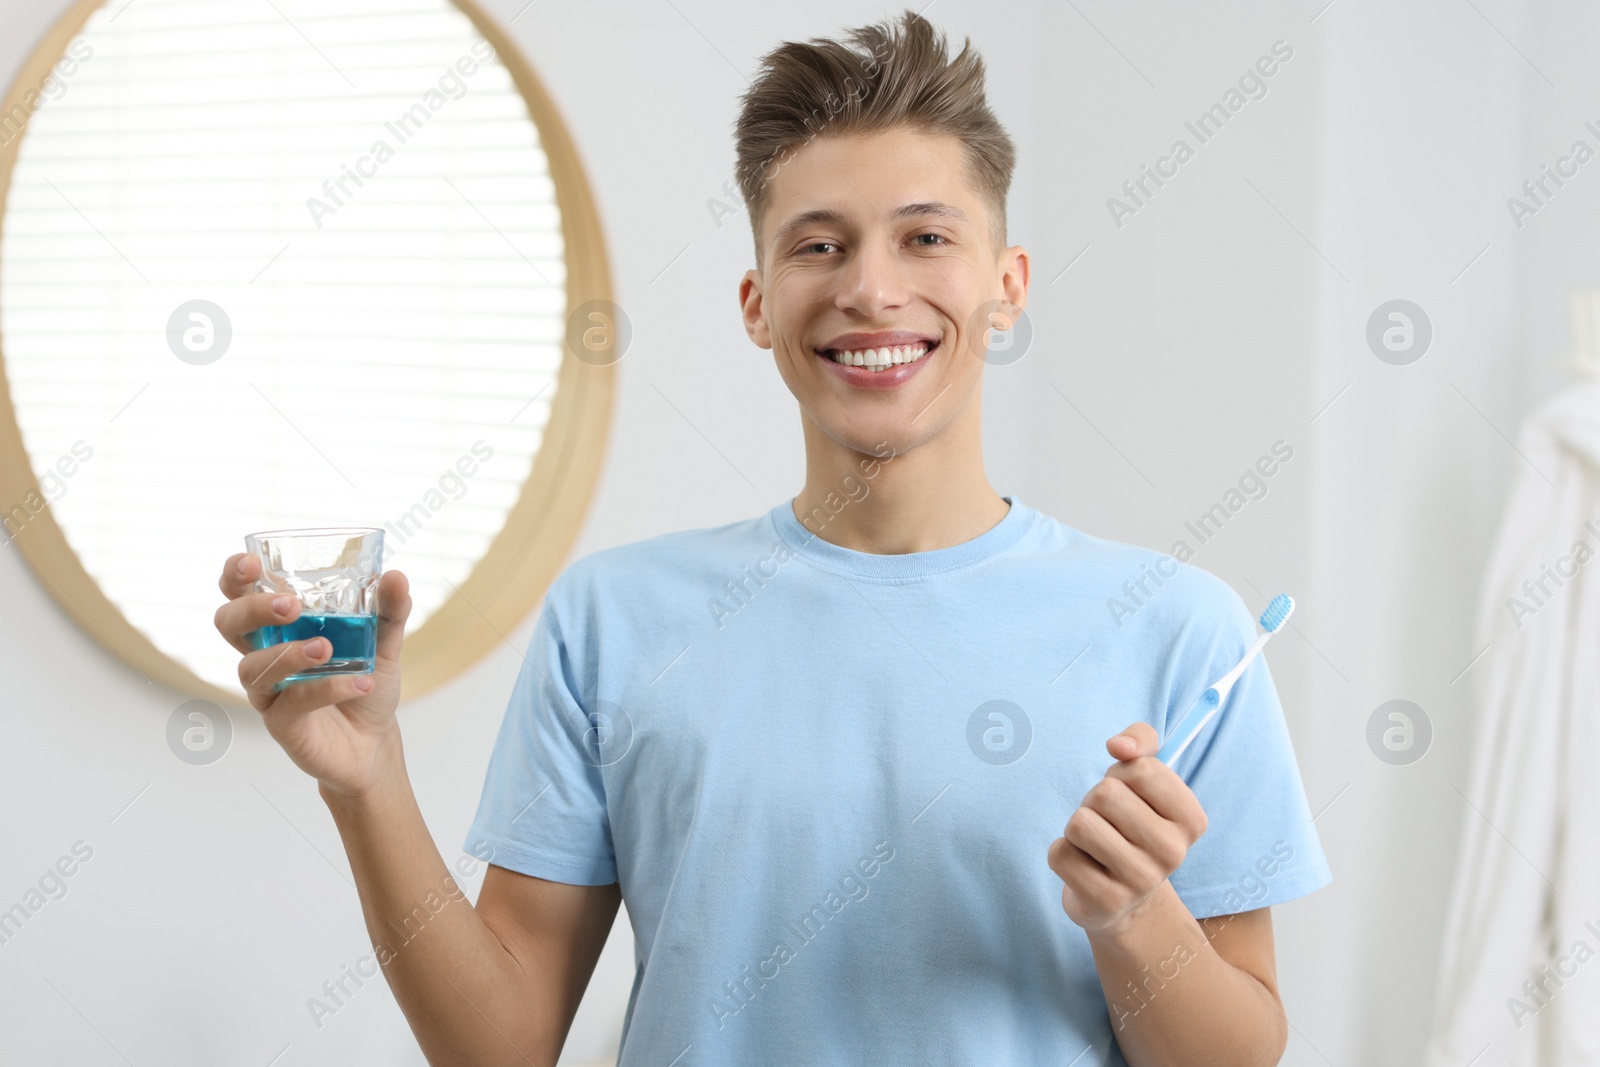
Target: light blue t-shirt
{"points": [[827, 781]]}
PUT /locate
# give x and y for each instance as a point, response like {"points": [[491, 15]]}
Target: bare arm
{"points": [[499, 983], [1185, 992], [494, 984]]}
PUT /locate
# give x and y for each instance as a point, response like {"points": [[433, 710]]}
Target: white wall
{"points": [[1423, 108], [1211, 324]]}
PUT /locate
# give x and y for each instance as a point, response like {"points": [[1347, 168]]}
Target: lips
{"points": [[884, 373]]}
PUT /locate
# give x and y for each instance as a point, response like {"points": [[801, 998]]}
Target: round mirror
{"points": [[292, 264]]}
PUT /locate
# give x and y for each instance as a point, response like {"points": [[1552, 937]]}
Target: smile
{"points": [[878, 359]]}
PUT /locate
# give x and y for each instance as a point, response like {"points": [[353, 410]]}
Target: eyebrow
{"points": [[829, 217]]}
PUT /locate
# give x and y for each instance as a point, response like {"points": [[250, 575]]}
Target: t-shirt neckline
{"points": [[999, 537]]}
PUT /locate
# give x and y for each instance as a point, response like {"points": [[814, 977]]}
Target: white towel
{"points": [[1525, 906]]}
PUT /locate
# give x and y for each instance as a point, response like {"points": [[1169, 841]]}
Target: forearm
{"points": [[1174, 1001], [460, 988]]}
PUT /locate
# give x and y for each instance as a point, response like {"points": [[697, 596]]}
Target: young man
{"points": [[844, 760]]}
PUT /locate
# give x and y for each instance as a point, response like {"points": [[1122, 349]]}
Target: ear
{"points": [[1014, 279], [750, 307]]}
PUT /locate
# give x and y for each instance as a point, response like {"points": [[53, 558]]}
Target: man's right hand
{"points": [[339, 733]]}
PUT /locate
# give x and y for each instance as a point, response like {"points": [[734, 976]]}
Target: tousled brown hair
{"points": [[896, 74]]}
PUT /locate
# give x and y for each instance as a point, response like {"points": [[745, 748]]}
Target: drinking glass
{"points": [[334, 573]]}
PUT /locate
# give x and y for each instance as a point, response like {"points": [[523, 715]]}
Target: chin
{"points": [[872, 437]]}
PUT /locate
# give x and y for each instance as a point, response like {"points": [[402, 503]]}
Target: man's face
{"points": [[876, 241]]}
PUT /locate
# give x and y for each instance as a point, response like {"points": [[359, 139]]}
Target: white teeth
{"points": [[879, 358]]}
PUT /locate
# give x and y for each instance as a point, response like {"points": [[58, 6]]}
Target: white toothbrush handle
{"points": [[1225, 683], [1215, 695]]}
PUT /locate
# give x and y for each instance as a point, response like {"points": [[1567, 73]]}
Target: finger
{"points": [[1137, 740], [244, 614], [1090, 831], [298, 698], [1093, 888], [1088, 893], [1165, 843], [1161, 787], [394, 607], [239, 573], [261, 670], [1070, 862]]}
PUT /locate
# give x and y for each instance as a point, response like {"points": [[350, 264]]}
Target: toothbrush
{"points": [[1210, 701]]}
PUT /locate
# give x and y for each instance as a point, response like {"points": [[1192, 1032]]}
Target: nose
{"points": [[873, 278]]}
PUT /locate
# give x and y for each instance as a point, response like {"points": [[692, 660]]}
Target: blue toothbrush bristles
{"points": [[1277, 612]]}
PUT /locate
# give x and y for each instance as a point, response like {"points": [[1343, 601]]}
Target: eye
{"points": [[806, 249], [941, 238]]}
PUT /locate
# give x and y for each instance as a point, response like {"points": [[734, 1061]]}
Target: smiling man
{"points": [[861, 811]]}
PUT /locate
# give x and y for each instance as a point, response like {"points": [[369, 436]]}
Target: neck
{"points": [[932, 496]]}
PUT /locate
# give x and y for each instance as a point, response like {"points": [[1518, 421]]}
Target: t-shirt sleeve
{"points": [[543, 809], [1260, 846]]}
